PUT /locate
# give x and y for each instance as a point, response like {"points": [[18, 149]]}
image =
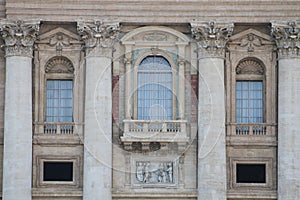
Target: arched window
{"points": [[250, 91], [59, 90], [154, 92]]}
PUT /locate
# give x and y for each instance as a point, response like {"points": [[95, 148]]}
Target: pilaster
{"points": [[19, 37], [211, 38], [99, 37], [287, 39]]}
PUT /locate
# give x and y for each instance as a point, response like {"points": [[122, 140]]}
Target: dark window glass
{"points": [[251, 173], [58, 171]]}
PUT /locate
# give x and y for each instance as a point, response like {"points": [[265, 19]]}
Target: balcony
{"points": [[254, 133], [145, 132], [57, 132]]}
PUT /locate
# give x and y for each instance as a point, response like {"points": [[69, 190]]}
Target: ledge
{"points": [[57, 139], [37, 192], [244, 140], [252, 194]]}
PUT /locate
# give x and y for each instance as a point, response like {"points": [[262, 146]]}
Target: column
{"points": [[211, 39], [19, 37], [287, 39], [99, 38]]}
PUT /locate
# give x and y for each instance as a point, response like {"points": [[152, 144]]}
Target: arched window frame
{"points": [[174, 85], [66, 72], [255, 73]]}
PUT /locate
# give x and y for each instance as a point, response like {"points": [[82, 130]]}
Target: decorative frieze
{"points": [[99, 33], [287, 37], [211, 37], [154, 172], [19, 36]]}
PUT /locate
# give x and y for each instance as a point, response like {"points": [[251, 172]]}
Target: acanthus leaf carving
{"points": [[211, 37], [19, 36], [287, 38], [100, 33]]}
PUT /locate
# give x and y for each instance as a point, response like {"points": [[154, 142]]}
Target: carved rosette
{"points": [[19, 36], [99, 33], [211, 37], [287, 38]]}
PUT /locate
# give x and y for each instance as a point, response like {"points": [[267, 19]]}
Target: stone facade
{"points": [[222, 114]]}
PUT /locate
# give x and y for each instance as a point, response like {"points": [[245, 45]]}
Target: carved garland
{"points": [[250, 67], [59, 64]]}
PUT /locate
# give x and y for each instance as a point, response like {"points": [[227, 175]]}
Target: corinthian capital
{"points": [[287, 38], [19, 36], [98, 33], [211, 37]]}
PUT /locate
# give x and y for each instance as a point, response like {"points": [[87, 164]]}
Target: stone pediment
{"points": [[154, 34], [59, 36], [250, 40]]}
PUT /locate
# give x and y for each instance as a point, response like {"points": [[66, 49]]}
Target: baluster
{"points": [[250, 128], [182, 127], [164, 127], [126, 127], [145, 127], [57, 128]]}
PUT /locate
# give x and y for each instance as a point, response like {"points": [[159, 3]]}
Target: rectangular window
{"points": [[59, 101], [58, 171], [251, 173], [249, 102]]}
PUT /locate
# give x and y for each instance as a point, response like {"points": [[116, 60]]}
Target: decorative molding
{"points": [[98, 33], [211, 37], [250, 41], [60, 41], [59, 64], [250, 66], [155, 36], [287, 38], [19, 36]]}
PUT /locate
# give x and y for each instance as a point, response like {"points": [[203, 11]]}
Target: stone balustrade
{"points": [[256, 129], [155, 131], [57, 128]]}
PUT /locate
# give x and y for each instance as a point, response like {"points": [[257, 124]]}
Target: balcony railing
{"points": [[155, 131], [257, 129], [56, 128]]}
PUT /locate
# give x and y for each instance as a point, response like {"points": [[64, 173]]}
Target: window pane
{"points": [[251, 173], [154, 95], [58, 171], [59, 100], [249, 102]]}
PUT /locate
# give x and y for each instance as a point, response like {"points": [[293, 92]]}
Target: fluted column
{"points": [[19, 37], [99, 38], [287, 39], [211, 38]]}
